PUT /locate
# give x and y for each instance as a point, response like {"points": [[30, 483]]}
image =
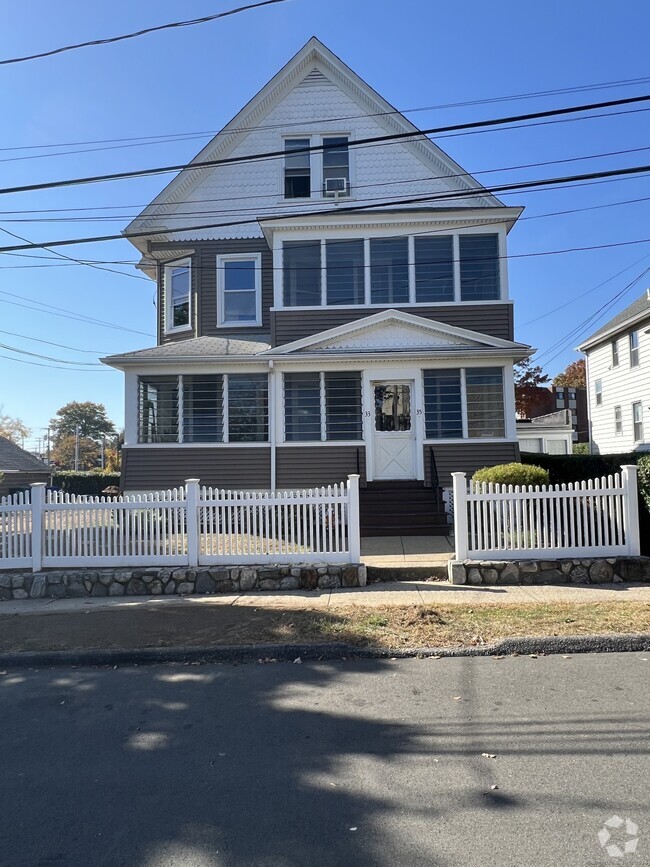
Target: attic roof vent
{"points": [[313, 78]]}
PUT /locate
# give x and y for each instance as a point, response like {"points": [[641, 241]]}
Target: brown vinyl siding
{"points": [[160, 468], [466, 458], [204, 288], [493, 319], [309, 465]]}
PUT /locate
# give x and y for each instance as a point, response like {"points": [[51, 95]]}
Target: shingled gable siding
{"points": [[466, 458], [204, 283], [161, 468], [493, 319], [310, 465]]}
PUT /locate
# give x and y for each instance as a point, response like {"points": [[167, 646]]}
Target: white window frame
{"points": [[170, 329], [618, 421], [615, 353], [637, 422], [634, 350], [598, 392], [239, 257], [316, 183]]}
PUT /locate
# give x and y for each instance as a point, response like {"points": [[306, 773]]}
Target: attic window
{"points": [[297, 171], [336, 167]]}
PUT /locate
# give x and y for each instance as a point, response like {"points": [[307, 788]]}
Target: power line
{"points": [[53, 366], [51, 343], [108, 40], [84, 364], [412, 200], [416, 134]]}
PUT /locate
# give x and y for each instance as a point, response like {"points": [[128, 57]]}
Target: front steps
{"points": [[402, 509]]}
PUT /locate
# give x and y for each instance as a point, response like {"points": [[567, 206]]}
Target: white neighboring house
{"points": [[550, 434], [618, 381]]}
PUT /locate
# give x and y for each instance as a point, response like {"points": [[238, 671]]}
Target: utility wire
{"points": [[174, 24], [374, 140], [94, 352]]}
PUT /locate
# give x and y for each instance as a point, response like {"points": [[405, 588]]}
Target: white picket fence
{"points": [[596, 518], [188, 526]]}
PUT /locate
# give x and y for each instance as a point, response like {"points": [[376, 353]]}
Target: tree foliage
{"points": [[529, 379], [63, 452], [575, 375], [13, 429], [91, 418]]}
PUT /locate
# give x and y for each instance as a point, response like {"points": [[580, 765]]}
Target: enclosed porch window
{"points": [[464, 403], [322, 406]]}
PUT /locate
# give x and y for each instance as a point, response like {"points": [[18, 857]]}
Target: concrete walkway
{"points": [[376, 595], [410, 551]]}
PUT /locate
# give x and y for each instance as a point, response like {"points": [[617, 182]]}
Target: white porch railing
{"points": [[188, 526], [598, 518]]}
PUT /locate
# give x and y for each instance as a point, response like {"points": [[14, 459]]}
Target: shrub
{"points": [[581, 448], [512, 474], [89, 483]]}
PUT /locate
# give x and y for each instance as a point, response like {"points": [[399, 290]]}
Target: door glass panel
{"points": [[392, 407]]}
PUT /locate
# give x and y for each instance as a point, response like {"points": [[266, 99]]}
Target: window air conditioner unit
{"points": [[336, 186]]}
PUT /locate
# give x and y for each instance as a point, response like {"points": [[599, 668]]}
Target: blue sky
{"points": [[415, 53]]}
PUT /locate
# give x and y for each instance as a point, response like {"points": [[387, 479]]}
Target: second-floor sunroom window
{"points": [[178, 296], [416, 269]]}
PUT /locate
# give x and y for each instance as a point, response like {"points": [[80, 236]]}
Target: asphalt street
{"points": [[465, 762]]}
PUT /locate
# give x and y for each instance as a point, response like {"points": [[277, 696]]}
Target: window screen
{"points": [[434, 268], [485, 411], [443, 407], [479, 267], [302, 273]]}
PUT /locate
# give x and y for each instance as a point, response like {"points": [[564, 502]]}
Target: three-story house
{"points": [[325, 306]]}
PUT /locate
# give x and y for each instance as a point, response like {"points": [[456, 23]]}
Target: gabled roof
{"points": [[13, 459], [391, 331], [636, 312], [312, 57]]}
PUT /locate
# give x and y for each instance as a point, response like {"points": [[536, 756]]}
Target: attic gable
{"points": [[315, 93], [394, 331]]}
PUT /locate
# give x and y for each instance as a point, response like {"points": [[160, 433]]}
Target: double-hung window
{"points": [[634, 349], [239, 290], [336, 166], [637, 420], [618, 421], [297, 168], [322, 406], [615, 358], [598, 391], [178, 296]]}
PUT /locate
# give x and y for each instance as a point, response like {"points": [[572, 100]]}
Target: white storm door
{"points": [[394, 431]]}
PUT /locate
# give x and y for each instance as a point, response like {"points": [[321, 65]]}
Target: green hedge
{"points": [[92, 483], [579, 468], [512, 474]]}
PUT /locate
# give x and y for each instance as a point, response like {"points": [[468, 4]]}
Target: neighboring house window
{"points": [[345, 272], [531, 445], [215, 408], [389, 271], [484, 390], [557, 447], [559, 401], [297, 170], [336, 166], [178, 294], [248, 413], [598, 388], [434, 268], [158, 409], [634, 348], [479, 267], [443, 406], [618, 421], [615, 358], [322, 406], [239, 290], [637, 418], [302, 273]]}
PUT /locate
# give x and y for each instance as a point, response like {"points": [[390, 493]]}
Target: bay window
{"points": [[322, 406], [178, 296]]}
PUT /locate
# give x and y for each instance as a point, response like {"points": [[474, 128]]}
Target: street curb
{"points": [[334, 650]]}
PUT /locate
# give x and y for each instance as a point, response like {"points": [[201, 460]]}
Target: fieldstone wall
{"points": [[598, 570], [158, 582]]}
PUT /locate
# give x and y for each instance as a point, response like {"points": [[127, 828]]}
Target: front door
{"points": [[394, 434]]}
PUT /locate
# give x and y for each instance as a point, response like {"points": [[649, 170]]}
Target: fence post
{"points": [[192, 518], [460, 515], [354, 526], [37, 500], [631, 509]]}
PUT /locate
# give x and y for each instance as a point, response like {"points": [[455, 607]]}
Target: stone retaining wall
{"points": [[159, 582], [597, 570]]}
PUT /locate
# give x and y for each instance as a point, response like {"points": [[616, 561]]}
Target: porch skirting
{"points": [[182, 582]]}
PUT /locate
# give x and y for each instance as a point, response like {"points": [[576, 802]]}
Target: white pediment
{"points": [[391, 335]]}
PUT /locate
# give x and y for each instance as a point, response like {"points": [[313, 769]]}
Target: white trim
{"points": [[239, 257], [179, 263], [211, 445]]}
